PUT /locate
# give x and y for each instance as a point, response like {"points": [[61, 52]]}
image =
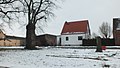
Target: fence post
{"points": [[99, 44]]}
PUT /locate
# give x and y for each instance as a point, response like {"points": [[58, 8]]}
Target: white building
{"points": [[74, 32]]}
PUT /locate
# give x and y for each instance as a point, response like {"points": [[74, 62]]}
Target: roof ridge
{"points": [[76, 21]]}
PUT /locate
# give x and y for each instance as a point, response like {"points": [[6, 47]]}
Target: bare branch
{"points": [[7, 1], [105, 30], [40, 4]]}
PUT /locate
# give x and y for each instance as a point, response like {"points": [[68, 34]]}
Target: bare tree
{"points": [[37, 12], [105, 30]]}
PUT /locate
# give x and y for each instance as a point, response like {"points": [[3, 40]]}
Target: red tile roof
{"points": [[75, 27]]}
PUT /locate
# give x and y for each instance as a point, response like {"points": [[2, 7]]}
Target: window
{"points": [[67, 38], [79, 37]]}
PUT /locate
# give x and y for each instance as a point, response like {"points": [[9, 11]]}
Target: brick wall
{"points": [[117, 37], [46, 40]]}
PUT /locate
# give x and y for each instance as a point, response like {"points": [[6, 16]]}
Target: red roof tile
{"points": [[75, 27]]}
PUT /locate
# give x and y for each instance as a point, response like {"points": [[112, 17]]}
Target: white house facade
{"points": [[74, 39], [74, 32]]}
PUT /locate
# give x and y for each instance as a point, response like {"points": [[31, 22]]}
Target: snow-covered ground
{"points": [[59, 58]]}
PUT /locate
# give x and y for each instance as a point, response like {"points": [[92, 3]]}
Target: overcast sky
{"points": [[96, 11]]}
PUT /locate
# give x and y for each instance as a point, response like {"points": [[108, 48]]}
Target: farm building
{"points": [[2, 35], [74, 32], [46, 40], [6, 40], [116, 30]]}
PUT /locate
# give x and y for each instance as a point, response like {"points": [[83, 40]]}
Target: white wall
{"points": [[73, 39]]}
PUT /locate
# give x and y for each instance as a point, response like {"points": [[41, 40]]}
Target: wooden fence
{"points": [[92, 42]]}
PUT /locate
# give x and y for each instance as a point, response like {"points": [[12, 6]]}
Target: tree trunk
{"points": [[30, 37], [99, 44]]}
